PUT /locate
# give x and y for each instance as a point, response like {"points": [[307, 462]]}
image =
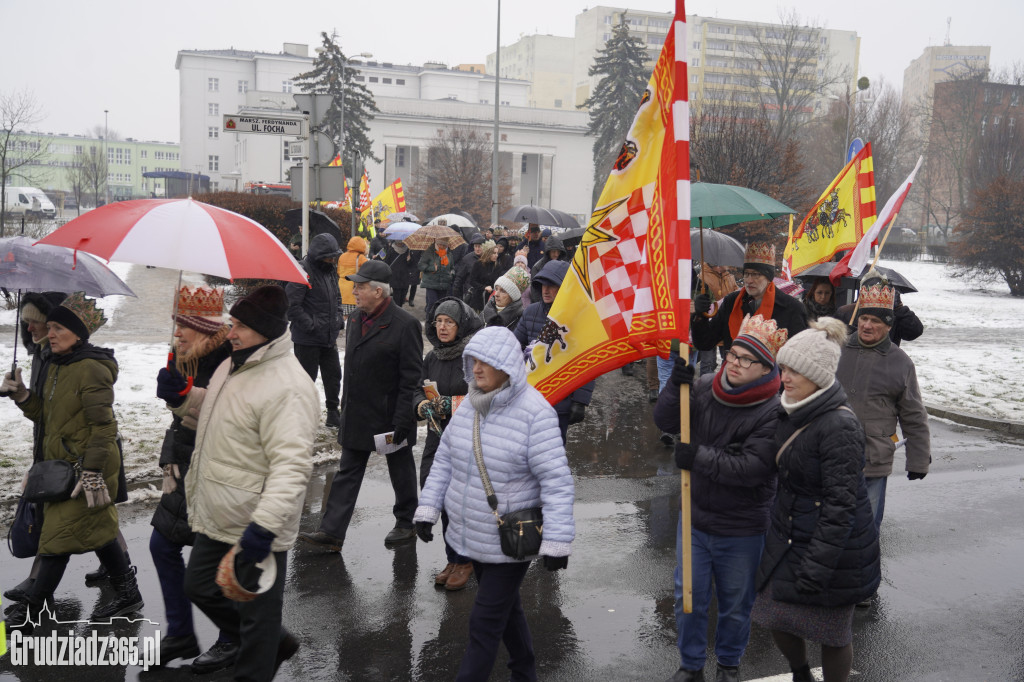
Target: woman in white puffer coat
{"points": [[525, 459]]}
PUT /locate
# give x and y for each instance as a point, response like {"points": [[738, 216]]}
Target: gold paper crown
{"points": [[760, 252], [85, 310], [877, 296], [200, 302], [764, 332]]}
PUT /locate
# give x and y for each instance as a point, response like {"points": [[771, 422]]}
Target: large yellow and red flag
{"points": [[840, 217], [627, 293], [391, 200]]}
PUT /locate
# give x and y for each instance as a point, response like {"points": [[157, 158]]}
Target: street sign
{"points": [[269, 125], [314, 105]]}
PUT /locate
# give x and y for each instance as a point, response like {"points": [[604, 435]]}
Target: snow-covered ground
{"points": [[970, 359]]}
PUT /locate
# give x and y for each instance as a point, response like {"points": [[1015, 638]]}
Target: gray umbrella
{"points": [[40, 267], [719, 249]]}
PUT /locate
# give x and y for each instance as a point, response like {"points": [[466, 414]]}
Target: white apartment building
{"points": [[415, 101], [938, 64], [543, 61], [718, 49]]}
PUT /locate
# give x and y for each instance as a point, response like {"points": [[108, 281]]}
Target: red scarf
{"points": [[755, 392], [764, 310], [443, 253]]}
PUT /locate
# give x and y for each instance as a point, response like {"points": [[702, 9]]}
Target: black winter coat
{"points": [[480, 277], [788, 313], [171, 514], [443, 365], [382, 370], [315, 311], [731, 494], [404, 267], [463, 267], [823, 531], [508, 317]]}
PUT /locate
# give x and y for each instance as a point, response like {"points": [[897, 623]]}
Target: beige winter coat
{"points": [[254, 446]]}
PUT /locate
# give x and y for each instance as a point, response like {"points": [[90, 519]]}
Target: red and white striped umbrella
{"points": [[181, 234]]}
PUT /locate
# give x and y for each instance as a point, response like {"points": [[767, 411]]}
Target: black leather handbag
{"points": [[23, 536], [51, 480], [521, 530]]}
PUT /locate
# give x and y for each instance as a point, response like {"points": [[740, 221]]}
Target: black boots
{"points": [[128, 599], [803, 673], [23, 616], [333, 418], [727, 673], [99, 575]]}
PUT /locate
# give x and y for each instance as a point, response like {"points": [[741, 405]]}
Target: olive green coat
{"points": [[77, 416]]}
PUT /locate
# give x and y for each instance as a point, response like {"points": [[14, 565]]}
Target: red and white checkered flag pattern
{"points": [[365, 200]]}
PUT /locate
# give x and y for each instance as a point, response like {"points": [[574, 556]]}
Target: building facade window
{"points": [[213, 85], [1014, 99], [143, 153], [243, 86], [286, 86], [558, 104], [213, 109], [213, 132], [214, 163], [387, 81], [400, 157], [399, 81]]}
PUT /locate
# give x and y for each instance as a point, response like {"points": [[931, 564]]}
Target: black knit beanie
{"points": [[264, 311]]}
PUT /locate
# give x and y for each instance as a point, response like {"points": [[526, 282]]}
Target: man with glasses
{"points": [[383, 365], [731, 459], [757, 297]]}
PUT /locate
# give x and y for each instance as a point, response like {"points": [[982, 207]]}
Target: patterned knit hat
{"points": [[200, 309], [514, 282], [760, 256], [814, 352], [878, 300], [79, 314], [761, 337]]}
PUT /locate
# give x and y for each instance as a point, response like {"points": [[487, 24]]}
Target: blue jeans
{"points": [[498, 617], [732, 563], [665, 369], [876, 495]]}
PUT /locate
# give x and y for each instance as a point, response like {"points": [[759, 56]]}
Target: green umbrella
{"points": [[713, 205]]}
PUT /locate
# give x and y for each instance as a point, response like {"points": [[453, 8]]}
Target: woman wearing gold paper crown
{"points": [[731, 457], [75, 409], [200, 345]]}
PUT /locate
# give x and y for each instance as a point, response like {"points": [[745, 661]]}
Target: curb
{"points": [[1011, 428]]}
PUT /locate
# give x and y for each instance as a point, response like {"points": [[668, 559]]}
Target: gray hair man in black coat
{"points": [[383, 366]]}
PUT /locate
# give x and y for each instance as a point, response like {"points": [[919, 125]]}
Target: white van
{"points": [[28, 201]]}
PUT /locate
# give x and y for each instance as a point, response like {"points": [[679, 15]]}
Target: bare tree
{"points": [[93, 164], [457, 173], [887, 122], [18, 111], [789, 71], [77, 181]]}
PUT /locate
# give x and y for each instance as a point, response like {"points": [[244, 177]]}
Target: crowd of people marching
{"points": [[792, 441]]}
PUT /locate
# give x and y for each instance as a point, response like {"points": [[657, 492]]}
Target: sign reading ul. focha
{"points": [[262, 124]]}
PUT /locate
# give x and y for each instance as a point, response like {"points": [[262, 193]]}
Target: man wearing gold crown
{"points": [[880, 381], [757, 297], [731, 459]]}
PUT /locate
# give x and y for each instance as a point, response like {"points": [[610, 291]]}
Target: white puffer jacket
{"points": [[523, 453], [254, 446]]}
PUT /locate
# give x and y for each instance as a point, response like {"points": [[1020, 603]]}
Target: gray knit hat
{"points": [[449, 307], [814, 352]]}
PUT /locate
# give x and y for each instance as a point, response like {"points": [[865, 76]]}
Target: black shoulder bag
{"points": [[520, 531]]}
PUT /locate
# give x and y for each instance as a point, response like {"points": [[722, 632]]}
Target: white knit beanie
{"points": [[814, 352]]}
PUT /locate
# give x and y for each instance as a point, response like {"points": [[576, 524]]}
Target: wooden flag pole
{"points": [[878, 254], [686, 561]]}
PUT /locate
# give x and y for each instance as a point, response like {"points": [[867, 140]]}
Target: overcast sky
{"points": [[79, 58]]}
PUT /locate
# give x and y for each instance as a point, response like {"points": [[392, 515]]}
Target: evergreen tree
{"points": [[326, 78], [616, 97]]}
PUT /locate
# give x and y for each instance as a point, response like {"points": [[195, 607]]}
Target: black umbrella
{"points": [[719, 248], [898, 281], [528, 213], [319, 223], [565, 220]]}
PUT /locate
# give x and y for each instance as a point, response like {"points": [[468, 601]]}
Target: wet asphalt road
{"points": [[951, 606]]}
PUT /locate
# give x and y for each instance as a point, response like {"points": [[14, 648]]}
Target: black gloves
{"points": [[401, 433], [916, 475], [685, 454], [423, 530], [702, 303], [255, 543], [577, 411], [682, 372], [554, 563], [169, 386]]}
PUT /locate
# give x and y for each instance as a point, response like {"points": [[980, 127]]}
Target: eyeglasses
{"points": [[751, 274], [743, 362], [445, 323]]}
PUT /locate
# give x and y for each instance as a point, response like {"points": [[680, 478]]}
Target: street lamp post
{"points": [[862, 84], [106, 160]]}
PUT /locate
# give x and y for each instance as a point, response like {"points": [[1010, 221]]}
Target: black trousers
{"points": [[498, 617], [255, 624], [328, 362], [349, 478]]}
